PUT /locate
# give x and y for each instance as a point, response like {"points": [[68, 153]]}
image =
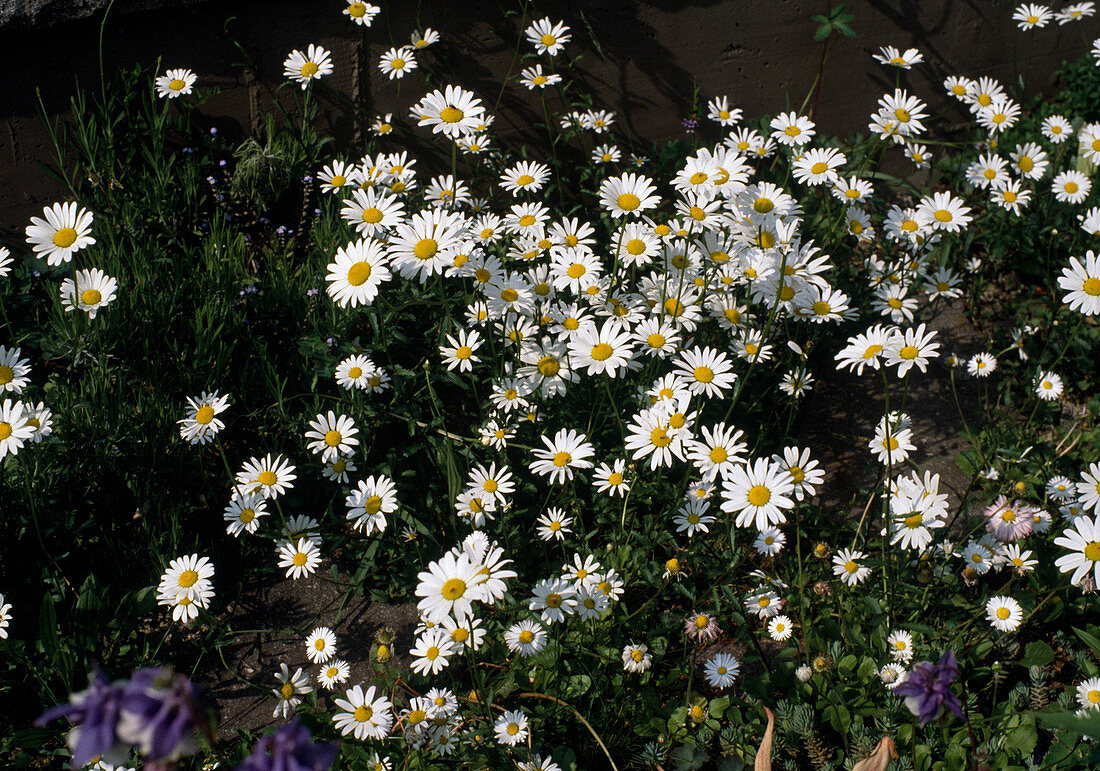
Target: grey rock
{"points": [[30, 14]]}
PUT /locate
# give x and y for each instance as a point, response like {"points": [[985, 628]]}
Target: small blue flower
{"points": [[290, 748], [927, 690]]}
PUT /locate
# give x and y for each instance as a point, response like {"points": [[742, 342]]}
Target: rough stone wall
{"points": [[644, 59]]}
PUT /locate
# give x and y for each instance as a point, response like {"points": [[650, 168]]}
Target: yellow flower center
{"points": [[628, 202], [372, 215], [759, 495], [703, 374], [188, 578], [718, 455], [524, 180], [615, 478], [333, 438], [548, 366], [176, 84], [309, 69], [576, 270], [909, 352], [451, 115], [453, 589], [602, 351], [355, 372], [1092, 551], [357, 10], [819, 168], [464, 352], [549, 40], [562, 459], [526, 636], [204, 414], [287, 690], [267, 478], [659, 437], [1091, 287], [247, 515], [363, 713], [64, 237], [426, 248], [1071, 187]]}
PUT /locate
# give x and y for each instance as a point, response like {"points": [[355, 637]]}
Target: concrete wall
{"points": [[644, 60]]}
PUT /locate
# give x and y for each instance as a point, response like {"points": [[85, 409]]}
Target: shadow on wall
{"points": [[644, 60]]}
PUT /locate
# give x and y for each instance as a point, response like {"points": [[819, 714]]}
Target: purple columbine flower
{"points": [[927, 689], [95, 715], [291, 748], [689, 124], [160, 713]]}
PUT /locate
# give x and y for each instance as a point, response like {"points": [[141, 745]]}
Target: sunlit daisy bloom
{"points": [[1000, 115], [332, 436], [361, 13], [1060, 488], [692, 517], [847, 567], [320, 645], [719, 110], [1057, 129], [1030, 161], [352, 372], [945, 212], [40, 419], [423, 39], [611, 479], [721, 670], [606, 154], [420, 247], [511, 728], [432, 651], [911, 348], [1075, 12], [300, 559], [363, 715], [792, 129], [900, 645], [892, 675], [5, 617], [5, 261], [574, 269], [554, 598], [1004, 613], [460, 353], [981, 364], [701, 626], [270, 477], [175, 83], [1090, 220], [357, 272], [891, 445], [893, 56], [1071, 187], [763, 603], [449, 586], [757, 493], [554, 525], [918, 154], [636, 658], [333, 673], [706, 371], [1048, 386], [1088, 490], [601, 351], [818, 166], [1031, 15], [865, 350], [852, 190], [373, 211], [185, 586], [958, 86], [313, 64], [396, 62], [382, 125], [201, 424], [656, 338], [982, 93], [336, 176], [780, 628], [525, 638], [547, 37], [989, 170], [453, 112], [496, 435], [1011, 196], [525, 176], [534, 77], [651, 433], [370, 502], [628, 195], [1088, 693], [1019, 559], [291, 688], [568, 450], [15, 427], [243, 514], [65, 231], [1081, 281], [803, 469], [769, 541], [718, 451], [301, 526]]}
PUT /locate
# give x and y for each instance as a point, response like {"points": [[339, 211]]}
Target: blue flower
{"points": [[927, 690], [95, 714], [290, 748]]}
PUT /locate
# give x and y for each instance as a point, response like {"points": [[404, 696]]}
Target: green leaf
{"points": [[1088, 639], [1023, 738], [1068, 721], [823, 32], [47, 625], [1037, 654]]}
